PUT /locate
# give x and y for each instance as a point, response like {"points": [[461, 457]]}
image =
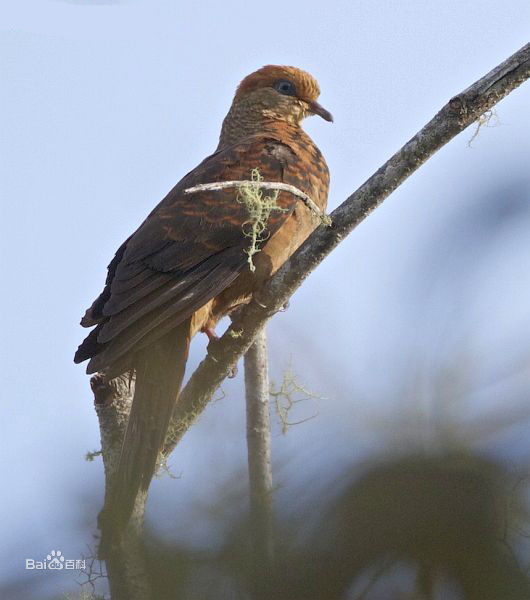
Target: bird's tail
{"points": [[159, 373]]}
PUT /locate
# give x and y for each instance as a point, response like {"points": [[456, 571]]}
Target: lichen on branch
{"points": [[259, 207], [287, 395]]}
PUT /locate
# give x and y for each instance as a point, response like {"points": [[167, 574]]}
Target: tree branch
{"points": [[462, 110], [126, 567], [259, 463]]}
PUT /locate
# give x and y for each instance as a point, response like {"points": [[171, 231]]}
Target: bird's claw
{"points": [[210, 332]]}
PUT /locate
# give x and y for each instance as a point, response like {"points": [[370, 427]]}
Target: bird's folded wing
{"points": [[190, 248]]}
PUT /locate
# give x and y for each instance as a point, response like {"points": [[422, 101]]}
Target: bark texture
{"points": [[259, 463], [126, 567]]}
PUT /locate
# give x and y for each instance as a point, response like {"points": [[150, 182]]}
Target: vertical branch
{"points": [[126, 566], [259, 462]]}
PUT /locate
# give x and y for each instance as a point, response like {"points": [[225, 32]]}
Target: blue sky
{"points": [[105, 105]]}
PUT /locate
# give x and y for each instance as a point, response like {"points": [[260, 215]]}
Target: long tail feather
{"points": [[159, 373]]}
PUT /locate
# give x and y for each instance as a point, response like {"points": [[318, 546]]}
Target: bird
{"points": [[187, 265]]}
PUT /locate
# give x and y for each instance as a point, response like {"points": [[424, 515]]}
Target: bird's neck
{"points": [[244, 121]]}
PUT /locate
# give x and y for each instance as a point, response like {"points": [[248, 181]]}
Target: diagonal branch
{"points": [[453, 118]]}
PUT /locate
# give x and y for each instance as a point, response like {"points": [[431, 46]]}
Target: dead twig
{"points": [[265, 185]]}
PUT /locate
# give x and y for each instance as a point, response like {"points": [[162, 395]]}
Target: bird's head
{"points": [[282, 93]]}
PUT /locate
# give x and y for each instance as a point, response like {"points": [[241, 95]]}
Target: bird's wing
{"points": [[190, 248]]}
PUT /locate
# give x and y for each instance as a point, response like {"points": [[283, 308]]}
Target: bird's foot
{"points": [[213, 341], [101, 388], [210, 332]]}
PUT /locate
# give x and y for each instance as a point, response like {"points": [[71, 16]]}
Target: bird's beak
{"points": [[316, 109]]}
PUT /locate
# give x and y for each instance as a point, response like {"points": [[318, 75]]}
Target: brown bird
{"points": [[186, 266]]}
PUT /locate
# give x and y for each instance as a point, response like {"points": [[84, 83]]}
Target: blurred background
{"points": [[413, 337]]}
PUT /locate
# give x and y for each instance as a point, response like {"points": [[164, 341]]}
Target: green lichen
{"points": [[235, 334], [259, 207]]}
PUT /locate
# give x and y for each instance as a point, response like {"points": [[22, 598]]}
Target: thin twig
{"points": [[266, 185]]}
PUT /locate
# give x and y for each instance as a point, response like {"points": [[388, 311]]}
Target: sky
{"points": [[106, 104]]}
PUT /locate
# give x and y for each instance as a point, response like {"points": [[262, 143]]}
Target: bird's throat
{"points": [[242, 122]]}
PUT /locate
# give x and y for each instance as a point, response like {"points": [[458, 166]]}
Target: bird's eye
{"points": [[285, 87]]}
